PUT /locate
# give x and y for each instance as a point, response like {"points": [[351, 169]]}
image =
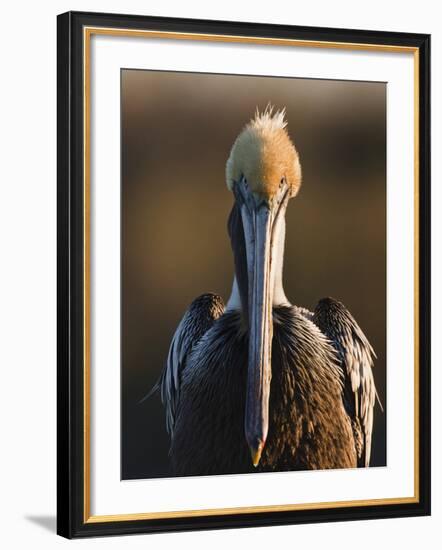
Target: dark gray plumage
{"points": [[314, 424], [356, 357], [196, 322]]}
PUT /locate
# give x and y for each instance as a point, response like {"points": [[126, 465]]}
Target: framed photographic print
{"points": [[243, 274]]}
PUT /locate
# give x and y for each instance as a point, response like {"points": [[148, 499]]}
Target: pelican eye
{"points": [[281, 183]]}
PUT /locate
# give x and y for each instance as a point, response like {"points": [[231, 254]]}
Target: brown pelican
{"points": [[261, 384]]}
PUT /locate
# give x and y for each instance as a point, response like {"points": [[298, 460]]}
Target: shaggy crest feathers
{"points": [[267, 120], [264, 154]]}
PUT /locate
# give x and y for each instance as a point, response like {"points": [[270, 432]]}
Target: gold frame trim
{"points": [[87, 34]]}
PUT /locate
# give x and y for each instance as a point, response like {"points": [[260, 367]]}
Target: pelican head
{"points": [[263, 172]]}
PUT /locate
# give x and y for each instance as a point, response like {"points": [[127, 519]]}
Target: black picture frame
{"points": [[72, 519]]}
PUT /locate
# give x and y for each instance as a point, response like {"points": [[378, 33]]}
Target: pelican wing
{"points": [[357, 356], [197, 320]]}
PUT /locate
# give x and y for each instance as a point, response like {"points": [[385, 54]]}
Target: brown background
{"points": [[177, 131]]}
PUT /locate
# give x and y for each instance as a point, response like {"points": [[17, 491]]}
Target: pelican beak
{"points": [[261, 226], [257, 223], [256, 454]]}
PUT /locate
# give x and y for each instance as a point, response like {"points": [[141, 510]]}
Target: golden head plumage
{"points": [[264, 154]]}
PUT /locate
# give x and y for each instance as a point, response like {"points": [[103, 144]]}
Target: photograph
{"points": [[253, 274]]}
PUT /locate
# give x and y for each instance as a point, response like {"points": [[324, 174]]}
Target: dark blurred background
{"points": [[177, 131]]}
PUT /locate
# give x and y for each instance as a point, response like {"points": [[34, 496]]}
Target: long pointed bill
{"points": [[257, 225]]}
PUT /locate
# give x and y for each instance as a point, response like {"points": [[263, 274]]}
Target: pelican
{"points": [[260, 384]]}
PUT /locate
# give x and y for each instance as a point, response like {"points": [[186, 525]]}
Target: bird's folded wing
{"points": [[356, 358], [197, 320]]}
